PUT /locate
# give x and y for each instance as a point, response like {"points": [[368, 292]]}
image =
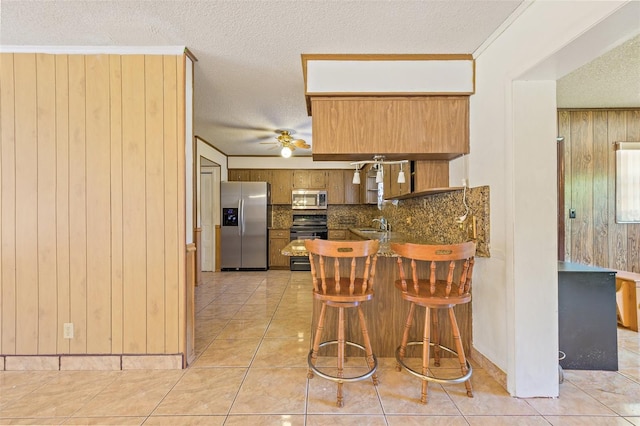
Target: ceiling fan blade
{"points": [[268, 143], [301, 144]]}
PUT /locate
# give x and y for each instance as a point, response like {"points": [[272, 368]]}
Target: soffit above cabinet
{"points": [[387, 75]]}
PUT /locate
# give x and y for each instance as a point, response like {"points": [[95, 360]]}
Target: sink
{"points": [[370, 231], [376, 234]]}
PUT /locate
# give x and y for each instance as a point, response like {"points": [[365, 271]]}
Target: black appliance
{"points": [[306, 226]]}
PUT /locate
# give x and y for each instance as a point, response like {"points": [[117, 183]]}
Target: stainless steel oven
{"points": [[306, 226]]}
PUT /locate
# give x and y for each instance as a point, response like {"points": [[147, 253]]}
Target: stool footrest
{"points": [[453, 380], [364, 376]]}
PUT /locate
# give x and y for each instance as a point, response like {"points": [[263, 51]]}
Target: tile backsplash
{"points": [[430, 218]]}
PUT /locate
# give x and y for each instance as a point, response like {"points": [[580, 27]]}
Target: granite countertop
{"points": [[297, 248]]}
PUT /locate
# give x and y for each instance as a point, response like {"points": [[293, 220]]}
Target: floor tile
{"points": [[133, 393], [345, 420], [286, 352], [243, 329], [264, 392], [185, 420], [203, 392], [105, 421], [228, 353], [32, 421], [426, 420], [572, 401], [358, 397], [62, 395], [586, 421], [265, 420], [400, 394], [506, 420], [489, 398]]}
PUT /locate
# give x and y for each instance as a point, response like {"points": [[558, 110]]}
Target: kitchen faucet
{"points": [[384, 224]]}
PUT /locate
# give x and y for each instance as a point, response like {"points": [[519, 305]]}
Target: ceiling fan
{"points": [[287, 142]]}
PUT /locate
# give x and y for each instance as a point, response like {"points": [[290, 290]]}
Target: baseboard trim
{"points": [[89, 362], [493, 370]]}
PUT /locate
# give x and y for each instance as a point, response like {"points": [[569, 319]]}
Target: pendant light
{"points": [[356, 177], [401, 175], [379, 176]]}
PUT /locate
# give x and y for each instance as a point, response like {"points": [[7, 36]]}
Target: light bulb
{"points": [[286, 152], [356, 178], [401, 177]]}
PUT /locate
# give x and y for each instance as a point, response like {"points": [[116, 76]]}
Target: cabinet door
{"points": [[276, 258], [430, 175], [337, 234], [281, 187], [239, 175], [301, 179], [336, 189], [259, 175], [317, 179], [351, 191]]}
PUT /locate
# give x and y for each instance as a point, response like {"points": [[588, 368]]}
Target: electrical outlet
{"points": [[68, 330]]}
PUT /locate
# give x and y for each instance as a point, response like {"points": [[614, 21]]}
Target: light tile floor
{"points": [[252, 338]]}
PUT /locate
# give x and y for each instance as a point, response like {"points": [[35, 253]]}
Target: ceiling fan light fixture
{"points": [[286, 152]]}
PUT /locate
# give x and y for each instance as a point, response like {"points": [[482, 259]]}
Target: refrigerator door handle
{"points": [[241, 218]]}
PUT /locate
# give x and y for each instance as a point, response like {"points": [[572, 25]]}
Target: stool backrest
{"points": [[346, 252], [453, 256]]}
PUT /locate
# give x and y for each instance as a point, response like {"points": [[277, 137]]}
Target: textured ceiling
{"points": [[610, 81], [248, 80]]}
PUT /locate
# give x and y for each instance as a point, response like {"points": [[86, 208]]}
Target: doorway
{"points": [[209, 213]]}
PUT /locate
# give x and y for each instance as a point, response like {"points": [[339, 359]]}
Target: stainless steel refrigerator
{"points": [[244, 225]]}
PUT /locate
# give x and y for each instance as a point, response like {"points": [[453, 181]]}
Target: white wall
{"points": [[284, 163], [512, 130]]}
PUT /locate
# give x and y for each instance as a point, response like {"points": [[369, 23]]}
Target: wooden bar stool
{"points": [[356, 260], [449, 269]]}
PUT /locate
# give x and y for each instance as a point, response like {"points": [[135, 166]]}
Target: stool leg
{"points": [[405, 334], [436, 337], [341, 350], [317, 338], [367, 344], [425, 352], [460, 349]]}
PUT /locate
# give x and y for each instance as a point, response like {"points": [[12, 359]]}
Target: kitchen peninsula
{"points": [[387, 311]]}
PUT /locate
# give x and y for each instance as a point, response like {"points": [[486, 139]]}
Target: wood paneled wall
{"points": [[92, 181], [593, 237]]}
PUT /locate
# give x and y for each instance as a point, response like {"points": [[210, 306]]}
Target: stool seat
{"points": [[439, 299], [439, 279], [343, 275]]}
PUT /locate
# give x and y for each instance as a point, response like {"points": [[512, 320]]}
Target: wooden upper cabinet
{"points": [[239, 175], [351, 191], [430, 175], [281, 186], [258, 175], [335, 188], [413, 128], [309, 179]]}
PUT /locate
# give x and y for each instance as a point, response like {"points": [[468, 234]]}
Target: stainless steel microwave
{"points": [[308, 199]]}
